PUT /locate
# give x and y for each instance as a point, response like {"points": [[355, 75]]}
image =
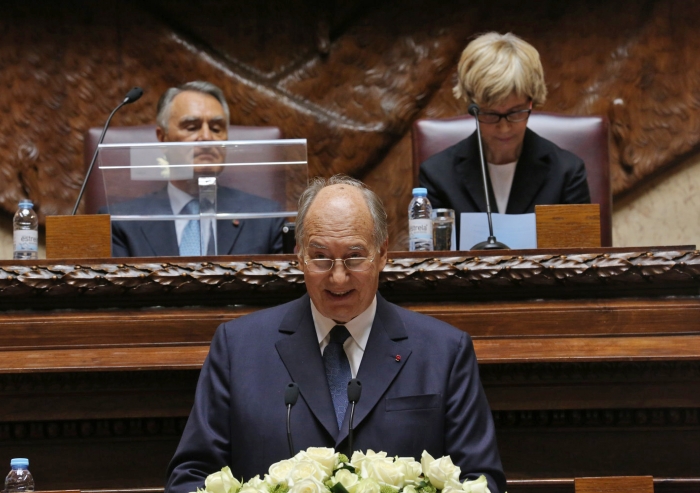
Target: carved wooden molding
{"points": [[105, 428], [267, 280], [173, 426], [608, 418]]}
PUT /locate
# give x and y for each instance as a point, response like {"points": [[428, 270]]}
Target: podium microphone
{"points": [[291, 394], [133, 95], [491, 243], [354, 391]]}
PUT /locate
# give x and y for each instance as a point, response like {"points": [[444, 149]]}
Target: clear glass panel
{"points": [[231, 180]]}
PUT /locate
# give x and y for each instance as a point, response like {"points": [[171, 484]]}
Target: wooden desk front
{"points": [[590, 358]]}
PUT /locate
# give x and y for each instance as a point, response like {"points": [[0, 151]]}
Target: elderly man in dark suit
{"points": [[194, 112], [420, 380]]}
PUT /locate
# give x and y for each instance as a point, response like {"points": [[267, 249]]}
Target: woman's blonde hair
{"points": [[493, 66]]}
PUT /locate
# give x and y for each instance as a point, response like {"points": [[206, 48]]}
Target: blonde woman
{"points": [[504, 76]]}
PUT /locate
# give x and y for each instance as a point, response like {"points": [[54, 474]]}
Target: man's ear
{"points": [[160, 134]]}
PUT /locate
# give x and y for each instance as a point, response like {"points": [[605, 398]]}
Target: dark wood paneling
{"points": [[590, 359]]}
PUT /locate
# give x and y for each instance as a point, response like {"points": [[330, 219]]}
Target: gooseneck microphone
{"points": [[491, 243], [354, 392], [133, 95], [291, 394]]}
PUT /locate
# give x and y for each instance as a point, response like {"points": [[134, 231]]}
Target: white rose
{"points": [[254, 485], [409, 488], [439, 471], [358, 457], [326, 457], [366, 486], [303, 469], [346, 478], [308, 485], [411, 470], [478, 485], [246, 488], [279, 471], [222, 482], [452, 486], [383, 470]]}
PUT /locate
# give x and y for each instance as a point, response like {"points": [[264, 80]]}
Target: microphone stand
{"points": [[131, 96], [291, 394], [354, 392], [491, 243]]}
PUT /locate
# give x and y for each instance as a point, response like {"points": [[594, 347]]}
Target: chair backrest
{"points": [[615, 484], [585, 136], [94, 197]]}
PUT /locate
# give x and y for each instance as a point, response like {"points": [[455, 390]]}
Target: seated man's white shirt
{"points": [[178, 200], [501, 183], [359, 328]]}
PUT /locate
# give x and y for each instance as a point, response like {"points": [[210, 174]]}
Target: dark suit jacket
{"points": [[432, 399], [159, 239], [545, 174]]}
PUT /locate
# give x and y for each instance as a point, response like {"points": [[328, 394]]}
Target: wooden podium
{"points": [[568, 226], [84, 236]]}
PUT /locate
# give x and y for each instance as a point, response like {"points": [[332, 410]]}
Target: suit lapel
{"points": [[379, 366], [301, 356], [469, 170], [227, 231], [161, 235], [530, 175]]}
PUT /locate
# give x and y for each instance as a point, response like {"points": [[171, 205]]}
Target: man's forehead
{"points": [[193, 102], [354, 243]]}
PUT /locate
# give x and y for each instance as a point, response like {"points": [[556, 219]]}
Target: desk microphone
{"points": [[354, 392], [291, 394], [131, 96], [491, 243]]}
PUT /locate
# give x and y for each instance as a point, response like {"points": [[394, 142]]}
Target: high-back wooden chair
{"points": [[585, 136]]}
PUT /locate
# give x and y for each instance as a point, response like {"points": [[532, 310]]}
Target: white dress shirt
{"points": [[501, 182], [359, 328]]}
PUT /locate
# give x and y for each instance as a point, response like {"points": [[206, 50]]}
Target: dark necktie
{"points": [[338, 371]]}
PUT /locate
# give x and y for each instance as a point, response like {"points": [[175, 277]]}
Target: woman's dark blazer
{"points": [[545, 174]]}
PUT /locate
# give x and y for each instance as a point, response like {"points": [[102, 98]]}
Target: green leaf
{"points": [[338, 488]]}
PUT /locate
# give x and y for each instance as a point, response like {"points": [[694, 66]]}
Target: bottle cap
{"points": [[420, 191], [26, 204], [19, 463]]}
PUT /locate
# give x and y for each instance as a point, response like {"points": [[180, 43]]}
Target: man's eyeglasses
{"points": [[512, 117], [356, 264]]}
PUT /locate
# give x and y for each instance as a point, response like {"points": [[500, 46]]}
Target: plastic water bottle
{"points": [[26, 231], [19, 479], [420, 225]]}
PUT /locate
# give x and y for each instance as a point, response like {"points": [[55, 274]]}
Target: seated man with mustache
{"points": [[194, 112]]}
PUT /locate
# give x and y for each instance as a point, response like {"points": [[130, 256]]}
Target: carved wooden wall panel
{"points": [[351, 76]]}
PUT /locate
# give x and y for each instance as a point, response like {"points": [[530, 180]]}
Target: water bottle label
{"points": [[420, 234], [420, 229], [26, 240]]}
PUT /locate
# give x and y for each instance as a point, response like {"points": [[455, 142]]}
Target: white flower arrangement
{"points": [[323, 470]]}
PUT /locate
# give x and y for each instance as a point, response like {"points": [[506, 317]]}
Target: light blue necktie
{"points": [[190, 243], [338, 371]]}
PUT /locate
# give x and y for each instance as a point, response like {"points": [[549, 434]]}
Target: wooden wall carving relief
{"points": [[351, 76]]}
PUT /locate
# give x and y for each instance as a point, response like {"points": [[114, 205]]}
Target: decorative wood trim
{"points": [[270, 279]]}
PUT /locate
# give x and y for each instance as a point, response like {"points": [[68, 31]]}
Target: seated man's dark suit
{"points": [[545, 174], [420, 391], [159, 239]]}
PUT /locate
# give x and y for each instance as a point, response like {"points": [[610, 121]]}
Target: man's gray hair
{"points": [[376, 209], [166, 100]]}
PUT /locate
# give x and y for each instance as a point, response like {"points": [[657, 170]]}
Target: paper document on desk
{"points": [[518, 231]]}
